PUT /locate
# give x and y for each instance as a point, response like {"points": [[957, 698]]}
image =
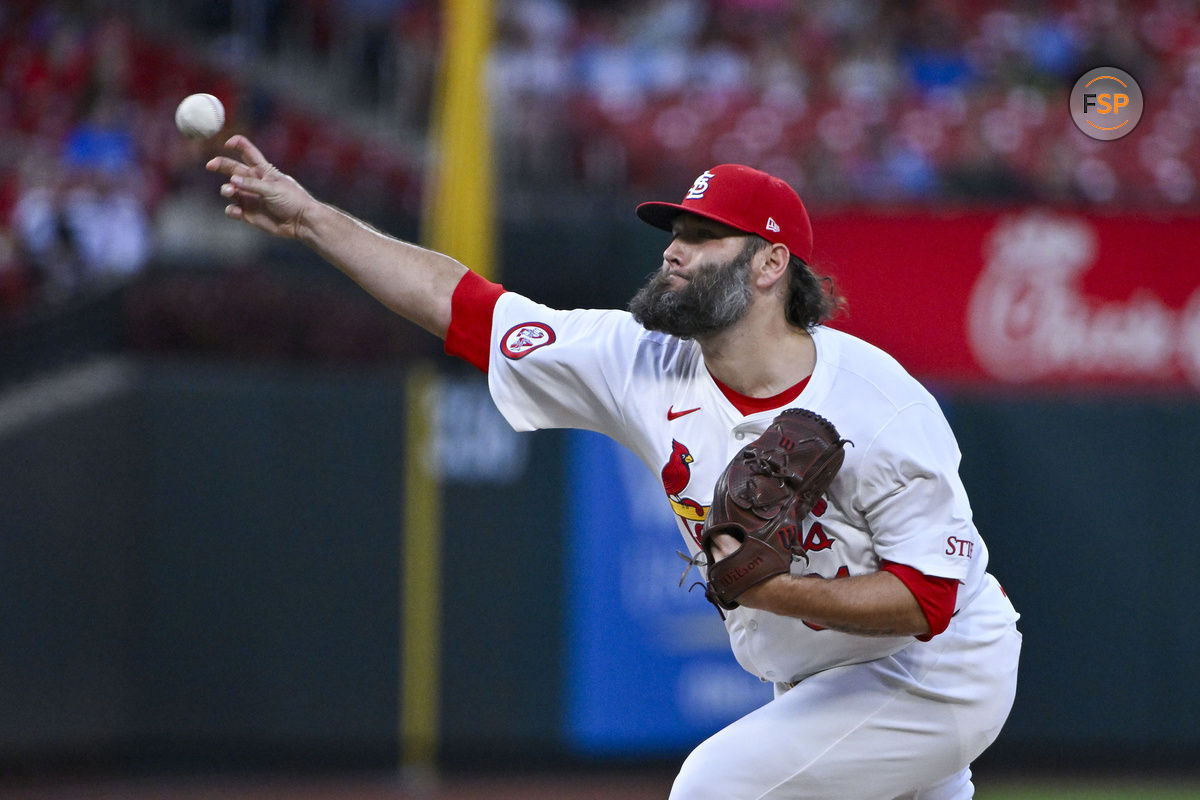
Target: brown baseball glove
{"points": [[761, 498]]}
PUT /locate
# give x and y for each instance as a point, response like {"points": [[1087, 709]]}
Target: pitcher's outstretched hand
{"points": [[259, 192]]}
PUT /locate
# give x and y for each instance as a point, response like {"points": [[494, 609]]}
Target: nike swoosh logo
{"points": [[673, 414]]}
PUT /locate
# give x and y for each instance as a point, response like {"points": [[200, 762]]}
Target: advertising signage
{"points": [[1031, 298]]}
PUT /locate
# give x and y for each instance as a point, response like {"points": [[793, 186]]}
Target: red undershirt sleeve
{"points": [[469, 336], [935, 595]]}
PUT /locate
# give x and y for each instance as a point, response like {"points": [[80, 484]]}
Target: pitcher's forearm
{"points": [[877, 604], [413, 281]]}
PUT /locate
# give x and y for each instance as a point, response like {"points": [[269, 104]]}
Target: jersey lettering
{"points": [[817, 538], [959, 547]]}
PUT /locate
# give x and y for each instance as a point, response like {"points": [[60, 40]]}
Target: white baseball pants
{"points": [[905, 727]]}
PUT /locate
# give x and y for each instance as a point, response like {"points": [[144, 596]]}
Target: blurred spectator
{"points": [[44, 237], [102, 140], [109, 224], [78, 230]]}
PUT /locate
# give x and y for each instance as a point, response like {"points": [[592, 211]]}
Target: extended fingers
{"points": [[227, 166], [249, 159], [247, 183], [245, 148]]}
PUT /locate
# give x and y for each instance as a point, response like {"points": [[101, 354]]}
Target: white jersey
{"points": [[897, 497]]}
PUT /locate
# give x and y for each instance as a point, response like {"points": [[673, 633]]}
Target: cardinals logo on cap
{"points": [[749, 200], [700, 186]]}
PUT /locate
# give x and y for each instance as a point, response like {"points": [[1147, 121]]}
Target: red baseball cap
{"points": [[744, 198]]}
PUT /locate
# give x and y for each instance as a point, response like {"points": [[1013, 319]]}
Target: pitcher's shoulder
{"points": [[862, 366]]}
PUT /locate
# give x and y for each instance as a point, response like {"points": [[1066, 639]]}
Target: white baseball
{"points": [[200, 116]]}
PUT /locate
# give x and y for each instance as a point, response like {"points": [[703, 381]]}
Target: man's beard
{"points": [[717, 296]]}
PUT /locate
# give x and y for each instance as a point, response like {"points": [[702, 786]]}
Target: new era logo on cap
{"points": [[744, 198]]}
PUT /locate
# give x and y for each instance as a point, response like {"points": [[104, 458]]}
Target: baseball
{"points": [[200, 116]]}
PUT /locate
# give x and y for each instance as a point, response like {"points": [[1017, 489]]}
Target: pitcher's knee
{"points": [[699, 778], [716, 771]]}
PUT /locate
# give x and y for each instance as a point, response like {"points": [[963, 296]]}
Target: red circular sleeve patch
{"points": [[523, 339]]}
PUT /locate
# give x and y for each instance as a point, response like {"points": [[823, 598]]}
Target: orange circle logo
{"points": [[1106, 103]]}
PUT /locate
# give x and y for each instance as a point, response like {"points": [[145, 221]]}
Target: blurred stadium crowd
{"points": [[854, 102], [921, 102]]}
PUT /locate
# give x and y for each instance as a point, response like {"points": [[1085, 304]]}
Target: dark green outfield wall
{"points": [[1091, 510], [203, 565]]}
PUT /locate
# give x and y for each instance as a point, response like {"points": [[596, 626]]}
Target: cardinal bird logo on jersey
{"points": [[676, 475], [678, 472]]}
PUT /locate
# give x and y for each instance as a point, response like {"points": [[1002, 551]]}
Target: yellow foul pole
{"points": [[458, 220], [459, 208]]}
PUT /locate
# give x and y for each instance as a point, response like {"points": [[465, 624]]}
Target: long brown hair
{"points": [[812, 298]]}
